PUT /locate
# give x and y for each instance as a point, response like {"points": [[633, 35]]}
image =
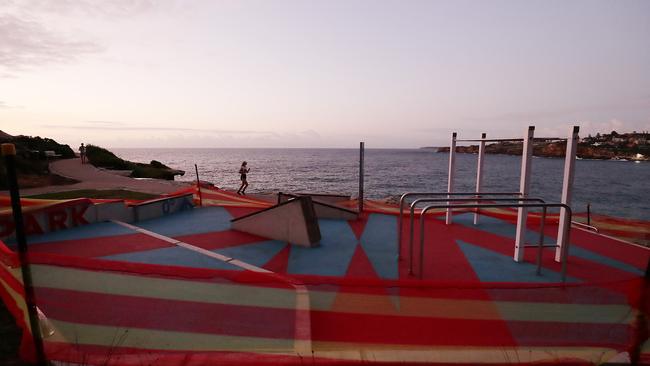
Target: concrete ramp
{"points": [[323, 209], [293, 221]]}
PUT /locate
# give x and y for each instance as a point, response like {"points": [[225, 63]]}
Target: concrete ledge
{"points": [[162, 206], [293, 221], [325, 197], [323, 210]]}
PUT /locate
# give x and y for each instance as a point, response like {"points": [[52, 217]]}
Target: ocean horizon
{"points": [[612, 188]]}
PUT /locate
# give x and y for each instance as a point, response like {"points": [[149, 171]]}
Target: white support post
{"points": [[524, 188], [452, 167], [567, 189], [479, 172]]}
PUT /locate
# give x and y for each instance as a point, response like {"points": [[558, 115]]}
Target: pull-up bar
{"points": [[515, 140], [487, 140], [524, 182]]}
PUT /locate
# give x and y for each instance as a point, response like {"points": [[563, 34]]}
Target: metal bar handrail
{"points": [[586, 226], [408, 194], [564, 248], [451, 199]]}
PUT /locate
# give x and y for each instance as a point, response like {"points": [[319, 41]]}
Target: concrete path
{"points": [[91, 177]]}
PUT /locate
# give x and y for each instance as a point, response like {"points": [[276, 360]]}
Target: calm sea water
{"points": [[616, 188]]}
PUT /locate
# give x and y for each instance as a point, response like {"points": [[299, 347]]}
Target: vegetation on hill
{"points": [[33, 155], [103, 158]]}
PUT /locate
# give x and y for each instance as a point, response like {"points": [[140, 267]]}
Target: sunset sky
{"points": [[320, 73]]}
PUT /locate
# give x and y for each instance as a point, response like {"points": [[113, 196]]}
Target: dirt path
{"points": [[91, 177]]}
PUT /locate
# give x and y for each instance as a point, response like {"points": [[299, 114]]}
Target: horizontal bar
{"points": [[512, 140], [537, 246], [590, 227], [488, 140]]}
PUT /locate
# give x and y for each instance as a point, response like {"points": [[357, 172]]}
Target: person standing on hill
{"points": [[82, 153], [243, 170]]}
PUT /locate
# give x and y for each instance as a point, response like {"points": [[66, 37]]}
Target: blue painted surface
{"points": [[379, 241], [506, 229], [497, 227], [257, 254], [332, 258], [196, 221], [175, 256], [595, 257], [100, 229], [490, 266]]}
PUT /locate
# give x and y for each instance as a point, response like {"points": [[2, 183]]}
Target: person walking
{"points": [[243, 170], [82, 153]]}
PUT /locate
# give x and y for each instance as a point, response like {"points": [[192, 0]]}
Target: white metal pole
{"points": [[452, 167], [524, 188], [567, 189], [479, 172]]}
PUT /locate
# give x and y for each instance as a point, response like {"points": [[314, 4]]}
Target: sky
{"points": [[395, 74]]}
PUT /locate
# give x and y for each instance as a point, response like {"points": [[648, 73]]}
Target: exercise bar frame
{"points": [[524, 184], [564, 250], [425, 200], [402, 199]]}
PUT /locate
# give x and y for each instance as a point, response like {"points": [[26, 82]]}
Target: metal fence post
{"points": [[479, 172], [198, 185], [524, 188], [450, 178], [567, 190], [361, 153], [9, 153]]}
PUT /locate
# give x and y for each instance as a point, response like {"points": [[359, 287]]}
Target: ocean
{"points": [[615, 188]]}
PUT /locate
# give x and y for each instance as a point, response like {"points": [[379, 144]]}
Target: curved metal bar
{"points": [[448, 199], [408, 194], [565, 248]]}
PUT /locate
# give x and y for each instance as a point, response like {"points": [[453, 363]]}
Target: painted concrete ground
{"points": [[363, 248], [141, 293]]}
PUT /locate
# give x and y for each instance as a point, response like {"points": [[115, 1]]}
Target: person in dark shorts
{"points": [[242, 174], [82, 153]]}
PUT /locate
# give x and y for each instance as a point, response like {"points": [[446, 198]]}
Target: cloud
{"points": [[4, 105], [121, 126], [27, 43], [92, 8]]}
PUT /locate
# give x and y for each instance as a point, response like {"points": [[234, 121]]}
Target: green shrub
{"points": [[144, 171], [103, 158], [157, 164]]}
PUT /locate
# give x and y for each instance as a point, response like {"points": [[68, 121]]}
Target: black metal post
{"points": [[9, 153], [361, 151], [588, 213], [198, 184]]}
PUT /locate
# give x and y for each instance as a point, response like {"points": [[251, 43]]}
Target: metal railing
{"points": [[410, 194], [586, 226], [451, 199], [544, 206]]}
